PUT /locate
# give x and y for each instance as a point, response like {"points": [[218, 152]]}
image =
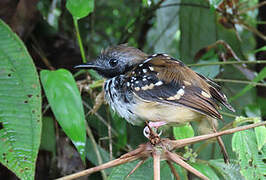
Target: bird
{"points": [[159, 89]]}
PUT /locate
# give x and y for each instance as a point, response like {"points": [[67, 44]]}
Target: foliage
{"points": [[20, 106], [64, 98], [180, 28]]}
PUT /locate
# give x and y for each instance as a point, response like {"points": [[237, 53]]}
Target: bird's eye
{"points": [[113, 62]]}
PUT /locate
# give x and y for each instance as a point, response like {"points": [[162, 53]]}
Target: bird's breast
{"points": [[121, 99]]}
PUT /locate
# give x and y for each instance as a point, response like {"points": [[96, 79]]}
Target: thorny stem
{"points": [[144, 150], [176, 158]]}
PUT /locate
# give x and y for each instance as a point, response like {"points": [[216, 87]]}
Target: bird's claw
{"points": [[146, 132]]}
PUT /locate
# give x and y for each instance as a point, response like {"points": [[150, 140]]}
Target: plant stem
{"points": [[228, 114], [98, 155], [79, 41], [240, 82], [96, 84], [229, 62]]}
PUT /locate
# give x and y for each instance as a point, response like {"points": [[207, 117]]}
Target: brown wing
{"points": [[163, 79]]}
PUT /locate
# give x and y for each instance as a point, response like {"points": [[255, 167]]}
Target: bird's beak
{"points": [[89, 65]]}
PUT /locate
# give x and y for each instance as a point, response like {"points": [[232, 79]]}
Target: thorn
{"points": [[136, 167]]}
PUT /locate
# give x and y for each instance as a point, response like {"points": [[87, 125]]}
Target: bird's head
{"points": [[115, 60]]}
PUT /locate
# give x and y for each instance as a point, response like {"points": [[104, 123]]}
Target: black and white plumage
{"points": [[157, 88]]}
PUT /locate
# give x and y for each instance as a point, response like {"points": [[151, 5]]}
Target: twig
{"points": [[228, 63], [240, 82], [176, 175], [94, 144], [252, 8], [156, 164], [122, 160], [99, 117], [145, 150], [174, 157], [228, 114], [185, 4], [185, 142], [136, 167], [39, 51], [110, 136]]}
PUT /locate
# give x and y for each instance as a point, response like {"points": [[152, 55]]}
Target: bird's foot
{"points": [[150, 131]]}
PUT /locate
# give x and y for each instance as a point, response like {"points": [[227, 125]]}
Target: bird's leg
{"points": [[150, 131]]}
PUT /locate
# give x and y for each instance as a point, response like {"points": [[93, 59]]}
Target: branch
{"points": [[185, 142], [156, 164], [145, 150], [176, 158]]}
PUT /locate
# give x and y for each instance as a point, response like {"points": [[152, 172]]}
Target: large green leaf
{"points": [[198, 29], [64, 98], [252, 165], [80, 8], [20, 106]]}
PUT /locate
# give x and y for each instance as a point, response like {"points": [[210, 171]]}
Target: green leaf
{"points": [[64, 98], [252, 110], [80, 8], [182, 132], [227, 171], [206, 170], [197, 27], [251, 165], [259, 77], [260, 136], [20, 106], [259, 50], [48, 141]]}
